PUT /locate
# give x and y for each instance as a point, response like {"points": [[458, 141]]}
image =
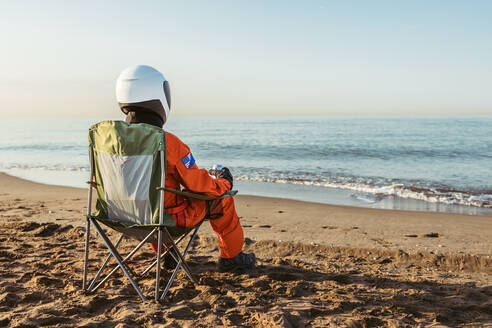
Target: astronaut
{"points": [[143, 95]]}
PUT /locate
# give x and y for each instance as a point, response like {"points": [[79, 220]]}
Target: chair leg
{"points": [[86, 253], [124, 260], [181, 264], [158, 268], [104, 264], [163, 235], [185, 252], [192, 238], [171, 280], [162, 256], [181, 258], [116, 256]]}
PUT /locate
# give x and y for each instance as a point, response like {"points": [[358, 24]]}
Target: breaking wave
{"points": [[81, 168], [367, 189], [378, 192]]}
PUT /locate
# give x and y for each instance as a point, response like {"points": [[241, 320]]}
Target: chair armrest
{"points": [[229, 193]]}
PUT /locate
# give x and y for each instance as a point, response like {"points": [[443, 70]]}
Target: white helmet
{"points": [[143, 88]]}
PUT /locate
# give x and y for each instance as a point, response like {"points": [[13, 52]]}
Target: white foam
{"points": [[378, 188], [395, 190], [45, 167]]}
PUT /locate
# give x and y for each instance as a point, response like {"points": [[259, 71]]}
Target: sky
{"points": [[431, 58]]}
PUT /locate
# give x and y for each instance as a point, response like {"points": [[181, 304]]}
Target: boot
{"points": [[169, 262], [238, 262]]}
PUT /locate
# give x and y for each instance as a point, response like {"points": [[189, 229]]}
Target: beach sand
{"points": [[320, 266]]}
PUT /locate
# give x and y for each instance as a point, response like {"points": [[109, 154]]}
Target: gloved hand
{"points": [[225, 174]]}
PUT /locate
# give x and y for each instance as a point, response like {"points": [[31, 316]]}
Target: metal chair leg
{"points": [[185, 252], [164, 237], [171, 280], [86, 253], [162, 256], [87, 222], [181, 264], [104, 264], [117, 258], [158, 268], [181, 258], [124, 260]]}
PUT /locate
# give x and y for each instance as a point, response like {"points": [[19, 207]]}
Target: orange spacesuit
{"points": [[181, 170]]}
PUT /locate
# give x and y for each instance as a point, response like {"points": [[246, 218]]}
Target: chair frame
{"points": [[164, 238]]}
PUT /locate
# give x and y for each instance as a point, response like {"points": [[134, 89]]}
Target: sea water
{"points": [[429, 164]]}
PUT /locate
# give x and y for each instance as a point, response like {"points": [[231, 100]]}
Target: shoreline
{"points": [[297, 192], [279, 219]]}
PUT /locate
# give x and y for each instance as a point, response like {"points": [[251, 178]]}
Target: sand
{"points": [[320, 266]]}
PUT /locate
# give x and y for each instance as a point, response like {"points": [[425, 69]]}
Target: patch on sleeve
{"points": [[188, 160]]}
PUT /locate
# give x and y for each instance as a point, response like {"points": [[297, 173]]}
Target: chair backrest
{"points": [[126, 166]]}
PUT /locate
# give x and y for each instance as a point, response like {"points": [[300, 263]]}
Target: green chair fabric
{"points": [[127, 173]]}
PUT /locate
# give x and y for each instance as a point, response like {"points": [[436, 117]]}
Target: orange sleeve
{"points": [[195, 179]]}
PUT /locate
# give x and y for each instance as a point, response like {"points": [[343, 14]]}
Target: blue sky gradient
{"points": [[61, 58]]}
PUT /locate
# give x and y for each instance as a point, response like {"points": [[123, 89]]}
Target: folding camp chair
{"points": [[128, 172]]}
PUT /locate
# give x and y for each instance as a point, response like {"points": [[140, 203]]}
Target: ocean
{"points": [[424, 164]]}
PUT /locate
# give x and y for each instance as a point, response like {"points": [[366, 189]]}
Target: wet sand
{"points": [[320, 266]]}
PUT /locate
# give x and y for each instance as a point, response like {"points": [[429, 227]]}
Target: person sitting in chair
{"points": [[143, 94]]}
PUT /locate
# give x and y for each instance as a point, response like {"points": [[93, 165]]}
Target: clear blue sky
{"points": [[61, 58]]}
